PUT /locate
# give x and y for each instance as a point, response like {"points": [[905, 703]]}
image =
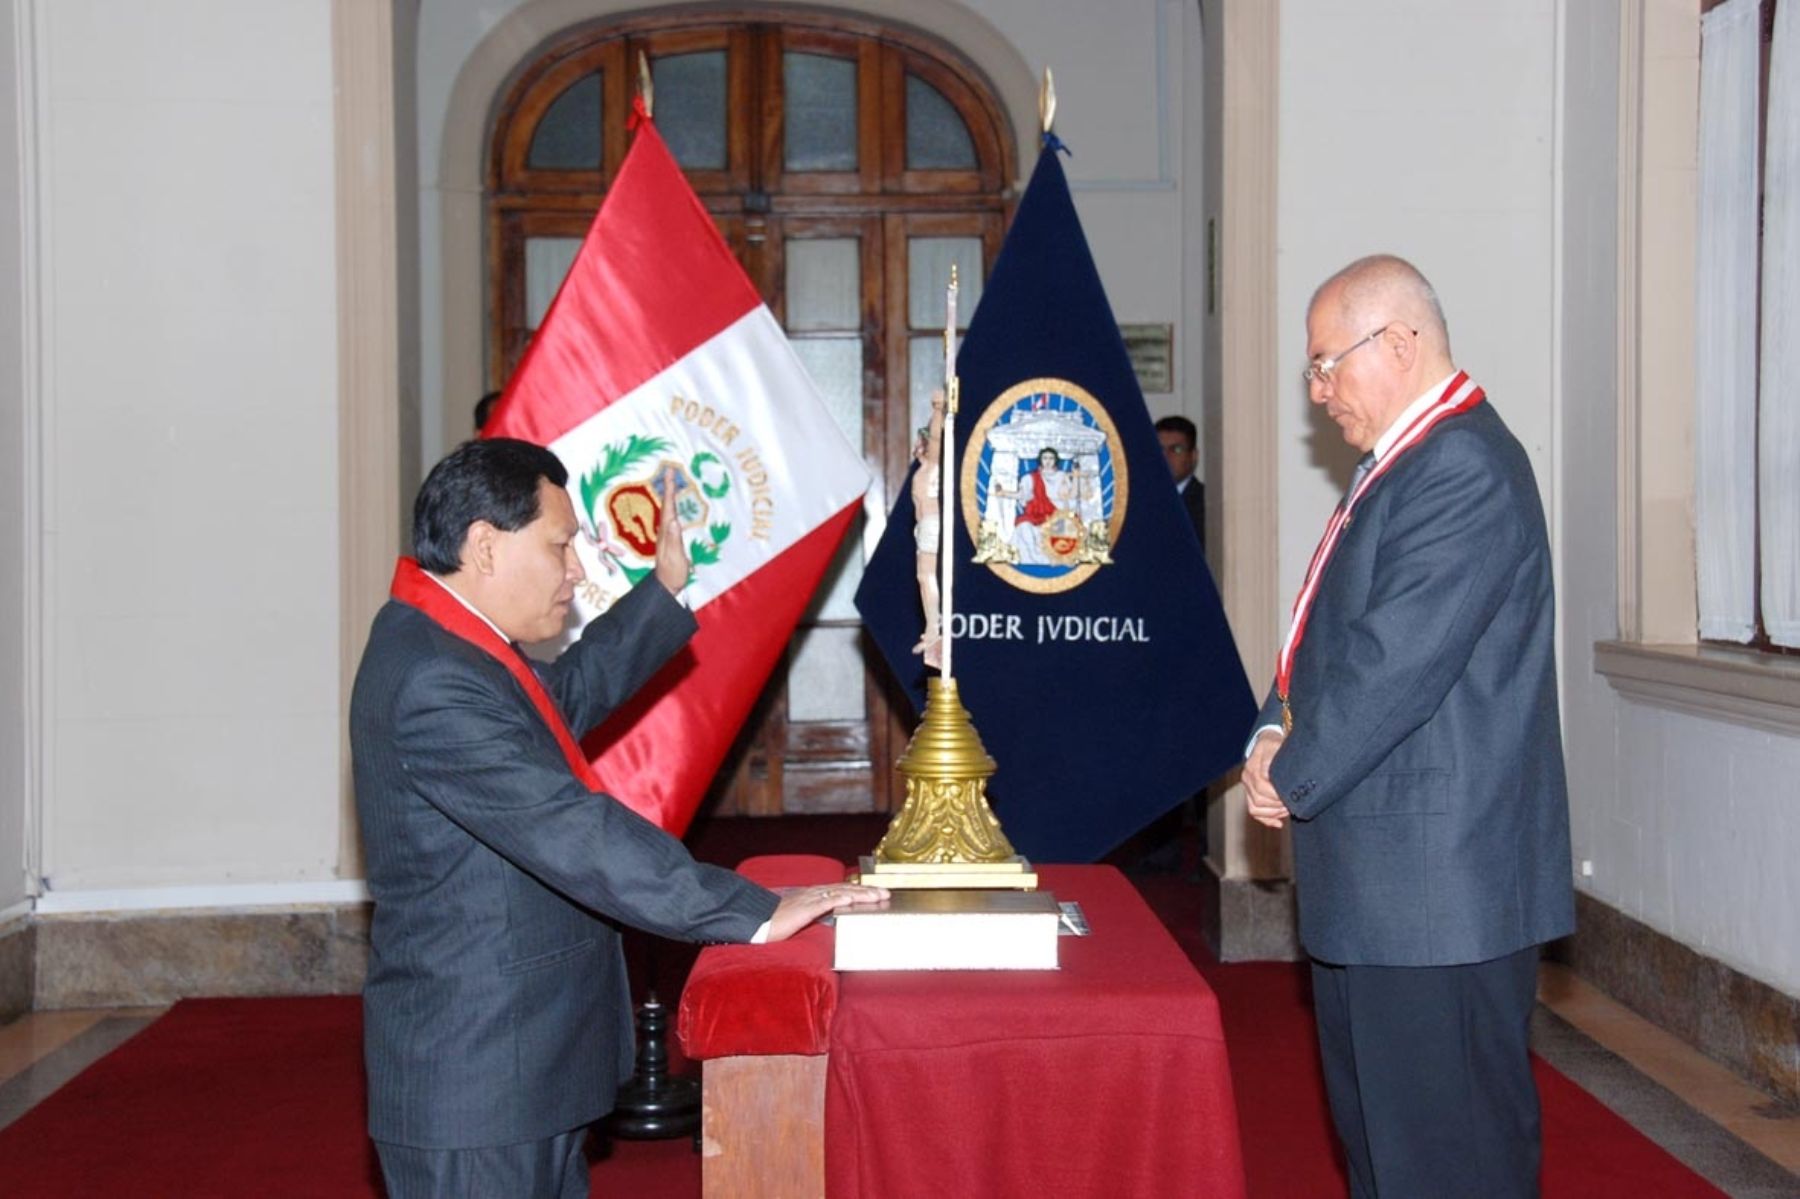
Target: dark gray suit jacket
{"points": [[1425, 769], [496, 1008], [1193, 498]]}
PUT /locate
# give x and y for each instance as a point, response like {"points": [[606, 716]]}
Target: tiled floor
{"points": [[41, 1051], [1705, 1086], [24, 1043], [1722, 1127]]}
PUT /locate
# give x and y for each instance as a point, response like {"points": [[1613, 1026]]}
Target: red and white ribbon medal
{"points": [[1459, 396]]}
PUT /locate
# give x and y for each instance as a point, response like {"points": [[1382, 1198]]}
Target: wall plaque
{"points": [[1152, 350]]}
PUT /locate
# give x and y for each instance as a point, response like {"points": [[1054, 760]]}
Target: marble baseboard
{"points": [[128, 960], [1250, 920], [1732, 1018], [18, 968]]}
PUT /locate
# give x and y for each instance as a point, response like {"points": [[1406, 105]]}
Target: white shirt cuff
{"points": [[762, 935], [1250, 745]]}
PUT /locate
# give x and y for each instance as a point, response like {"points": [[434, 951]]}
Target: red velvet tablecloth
{"points": [[1106, 1078]]}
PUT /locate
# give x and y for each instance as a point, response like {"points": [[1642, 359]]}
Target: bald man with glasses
{"points": [[1412, 742]]}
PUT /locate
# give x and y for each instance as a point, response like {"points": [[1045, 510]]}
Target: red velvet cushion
{"points": [[760, 999]]}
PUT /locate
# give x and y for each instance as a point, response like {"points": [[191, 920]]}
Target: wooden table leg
{"points": [[762, 1127]]}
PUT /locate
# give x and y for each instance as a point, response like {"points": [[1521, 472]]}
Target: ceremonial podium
{"points": [[1107, 1077]]}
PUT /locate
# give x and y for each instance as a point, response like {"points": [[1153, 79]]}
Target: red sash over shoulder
{"points": [[416, 589]]}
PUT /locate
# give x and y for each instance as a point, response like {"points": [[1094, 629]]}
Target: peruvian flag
{"points": [[658, 372]]}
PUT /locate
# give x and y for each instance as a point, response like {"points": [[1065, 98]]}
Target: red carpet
{"points": [[264, 1097], [1290, 1151], [243, 1097], [1289, 1148]]}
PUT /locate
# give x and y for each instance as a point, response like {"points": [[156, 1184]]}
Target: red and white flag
{"points": [[658, 361]]}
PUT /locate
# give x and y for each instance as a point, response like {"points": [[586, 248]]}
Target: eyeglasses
{"points": [[1322, 370]]}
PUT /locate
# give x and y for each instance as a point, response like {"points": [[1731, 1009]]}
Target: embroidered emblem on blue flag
{"points": [[1044, 486]]}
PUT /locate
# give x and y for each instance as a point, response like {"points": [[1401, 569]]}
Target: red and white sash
{"points": [[416, 589], [1459, 396]]}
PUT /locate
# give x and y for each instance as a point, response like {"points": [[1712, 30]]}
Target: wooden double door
{"points": [[849, 166]]}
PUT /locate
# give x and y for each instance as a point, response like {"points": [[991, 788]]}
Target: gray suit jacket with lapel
{"points": [[496, 1008], [1425, 769]]}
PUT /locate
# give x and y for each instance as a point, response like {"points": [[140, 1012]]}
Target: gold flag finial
{"points": [[645, 88], [1047, 102]]}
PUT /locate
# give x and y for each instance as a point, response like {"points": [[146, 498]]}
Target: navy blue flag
{"points": [[1090, 646]]}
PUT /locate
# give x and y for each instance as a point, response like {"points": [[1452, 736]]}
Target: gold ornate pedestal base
{"points": [[945, 835]]}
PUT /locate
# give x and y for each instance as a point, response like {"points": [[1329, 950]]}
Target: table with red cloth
{"points": [[1107, 1077]]}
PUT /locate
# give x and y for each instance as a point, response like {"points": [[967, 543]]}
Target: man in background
{"points": [[484, 410], [1178, 437], [1158, 848], [1413, 739], [496, 1013]]}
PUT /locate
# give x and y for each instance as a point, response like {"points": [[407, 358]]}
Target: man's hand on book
{"points": [[800, 907]]}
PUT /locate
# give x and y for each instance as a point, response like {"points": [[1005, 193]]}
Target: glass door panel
{"points": [[568, 136], [825, 676], [547, 262], [928, 263], [825, 744], [819, 117], [690, 108]]}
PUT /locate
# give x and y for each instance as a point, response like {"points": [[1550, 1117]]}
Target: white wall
{"points": [[1690, 823], [16, 537], [1697, 837], [1424, 130], [1589, 581], [1121, 108], [191, 709]]}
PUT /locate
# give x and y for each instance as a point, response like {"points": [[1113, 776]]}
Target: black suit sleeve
{"points": [[473, 753], [1194, 496]]}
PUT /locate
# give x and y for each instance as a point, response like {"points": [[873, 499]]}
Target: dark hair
{"points": [[484, 409], [1181, 425], [495, 480]]}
